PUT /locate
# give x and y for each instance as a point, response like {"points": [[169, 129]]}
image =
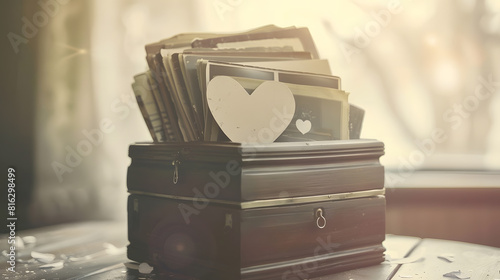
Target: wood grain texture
{"points": [[247, 172], [467, 214], [264, 242], [397, 247]]}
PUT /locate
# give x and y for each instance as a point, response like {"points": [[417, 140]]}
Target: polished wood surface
{"points": [[96, 250], [467, 213], [260, 243], [240, 173]]}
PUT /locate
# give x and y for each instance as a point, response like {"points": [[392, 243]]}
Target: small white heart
{"points": [[303, 126]]}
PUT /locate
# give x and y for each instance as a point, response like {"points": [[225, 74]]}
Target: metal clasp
{"points": [[176, 162], [320, 219]]}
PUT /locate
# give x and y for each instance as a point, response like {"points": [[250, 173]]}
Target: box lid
{"points": [[241, 174]]}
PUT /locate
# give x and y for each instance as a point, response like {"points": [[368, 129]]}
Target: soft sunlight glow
{"points": [[431, 40], [446, 76]]}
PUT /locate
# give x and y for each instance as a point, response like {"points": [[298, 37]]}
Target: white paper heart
{"points": [[259, 117], [303, 126]]}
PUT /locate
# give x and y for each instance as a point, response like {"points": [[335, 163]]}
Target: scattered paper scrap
{"points": [[447, 257], [419, 256], [132, 265], [53, 266], [405, 276], [19, 243], [78, 259], [26, 261], [42, 257], [405, 260], [145, 268], [112, 249], [456, 275], [29, 240]]}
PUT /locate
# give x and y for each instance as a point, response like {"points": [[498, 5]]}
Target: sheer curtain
{"points": [[409, 64], [86, 112], [67, 182]]}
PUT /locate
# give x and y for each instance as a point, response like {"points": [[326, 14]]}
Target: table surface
{"points": [[96, 250]]}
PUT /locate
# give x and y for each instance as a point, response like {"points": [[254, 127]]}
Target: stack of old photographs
{"points": [[172, 94]]}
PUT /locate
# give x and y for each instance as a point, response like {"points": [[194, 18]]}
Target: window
{"points": [[425, 72]]}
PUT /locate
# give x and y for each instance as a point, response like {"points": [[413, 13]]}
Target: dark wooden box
{"points": [[278, 211]]}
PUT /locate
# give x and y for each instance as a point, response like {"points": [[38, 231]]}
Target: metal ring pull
{"points": [[175, 178], [319, 214]]}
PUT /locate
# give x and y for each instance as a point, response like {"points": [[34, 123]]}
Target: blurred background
{"points": [[427, 73]]}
